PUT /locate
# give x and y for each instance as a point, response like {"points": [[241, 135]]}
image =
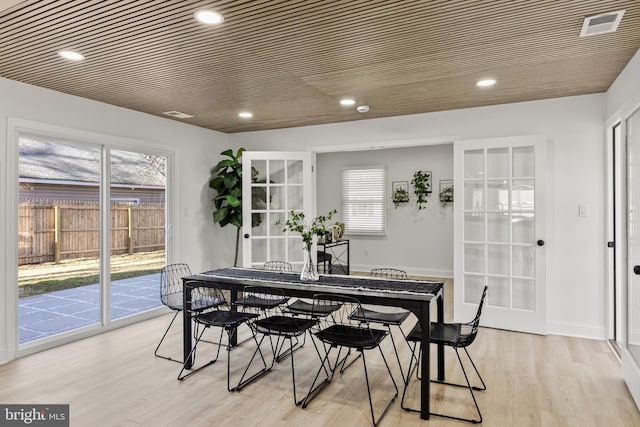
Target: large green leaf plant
{"points": [[227, 182]]}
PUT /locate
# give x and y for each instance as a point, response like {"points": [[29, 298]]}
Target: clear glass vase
{"points": [[309, 270]]}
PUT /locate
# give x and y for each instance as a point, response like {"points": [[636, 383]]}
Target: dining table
{"points": [[417, 296]]}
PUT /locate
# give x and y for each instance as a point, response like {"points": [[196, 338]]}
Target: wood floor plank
{"points": [[113, 379]]}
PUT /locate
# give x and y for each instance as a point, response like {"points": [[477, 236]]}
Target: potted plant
{"points": [[421, 187], [227, 182], [400, 195], [446, 195]]}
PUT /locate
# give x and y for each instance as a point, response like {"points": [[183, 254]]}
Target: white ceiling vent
{"points": [[601, 24], [178, 114]]}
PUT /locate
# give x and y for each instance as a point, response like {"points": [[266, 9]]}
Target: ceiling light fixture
{"points": [[245, 114], [209, 17], [363, 108], [71, 55], [486, 83], [347, 102]]}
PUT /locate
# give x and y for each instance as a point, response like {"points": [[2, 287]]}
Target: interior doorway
{"points": [[616, 235]]}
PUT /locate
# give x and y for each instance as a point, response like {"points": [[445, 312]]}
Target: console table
{"points": [[338, 261]]}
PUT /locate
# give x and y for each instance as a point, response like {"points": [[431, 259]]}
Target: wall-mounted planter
{"points": [[421, 187]]}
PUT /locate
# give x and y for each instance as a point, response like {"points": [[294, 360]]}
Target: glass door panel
{"points": [[59, 238], [138, 190]]}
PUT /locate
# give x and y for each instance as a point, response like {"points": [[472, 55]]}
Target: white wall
{"points": [[198, 241], [626, 87], [405, 223], [574, 129]]}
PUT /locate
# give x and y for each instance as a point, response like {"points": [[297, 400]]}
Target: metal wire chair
{"points": [[456, 335], [171, 295], [277, 266], [228, 321], [386, 316], [343, 333], [283, 328]]}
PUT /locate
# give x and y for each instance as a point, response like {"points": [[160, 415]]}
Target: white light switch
{"points": [[582, 210]]}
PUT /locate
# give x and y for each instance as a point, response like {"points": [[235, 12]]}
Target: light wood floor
{"points": [[114, 380]]}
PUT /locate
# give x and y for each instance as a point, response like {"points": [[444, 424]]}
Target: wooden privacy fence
{"points": [[53, 231]]}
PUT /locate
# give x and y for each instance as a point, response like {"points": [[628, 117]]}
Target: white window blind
{"points": [[364, 200]]}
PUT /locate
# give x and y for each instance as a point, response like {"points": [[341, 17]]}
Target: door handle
{"points": [[246, 236], [611, 244], [636, 269], [540, 242]]}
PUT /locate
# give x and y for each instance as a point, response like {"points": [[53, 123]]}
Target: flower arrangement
{"points": [[307, 230]]}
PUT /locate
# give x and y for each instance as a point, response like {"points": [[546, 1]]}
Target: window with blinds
{"points": [[364, 200]]}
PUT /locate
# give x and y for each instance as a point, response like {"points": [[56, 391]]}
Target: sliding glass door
{"points": [[85, 209]]}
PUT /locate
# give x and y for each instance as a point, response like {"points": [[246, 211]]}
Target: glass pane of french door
{"points": [[59, 241], [276, 187], [138, 187]]}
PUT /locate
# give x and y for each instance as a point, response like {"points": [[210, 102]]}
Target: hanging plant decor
{"points": [[399, 192], [446, 192], [421, 187]]}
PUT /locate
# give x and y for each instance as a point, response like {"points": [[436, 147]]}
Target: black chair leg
{"points": [[408, 377], [243, 382], [162, 339], [192, 352], [393, 342], [476, 388], [469, 420], [467, 386], [314, 389], [393, 399]]}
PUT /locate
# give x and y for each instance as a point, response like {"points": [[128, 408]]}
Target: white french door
{"points": [[499, 231], [631, 352], [273, 184]]}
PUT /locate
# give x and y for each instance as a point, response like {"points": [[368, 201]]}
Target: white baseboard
{"points": [[594, 332], [411, 271]]}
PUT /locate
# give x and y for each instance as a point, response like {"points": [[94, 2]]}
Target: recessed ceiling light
{"points": [[363, 108], [208, 17], [69, 54], [347, 102], [486, 82], [245, 114]]}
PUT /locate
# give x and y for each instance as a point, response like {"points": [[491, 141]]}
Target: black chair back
{"points": [[469, 331], [171, 286], [389, 273], [277, 266]]}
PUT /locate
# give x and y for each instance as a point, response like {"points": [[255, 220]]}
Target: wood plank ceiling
{"points": [[289, 62]]}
